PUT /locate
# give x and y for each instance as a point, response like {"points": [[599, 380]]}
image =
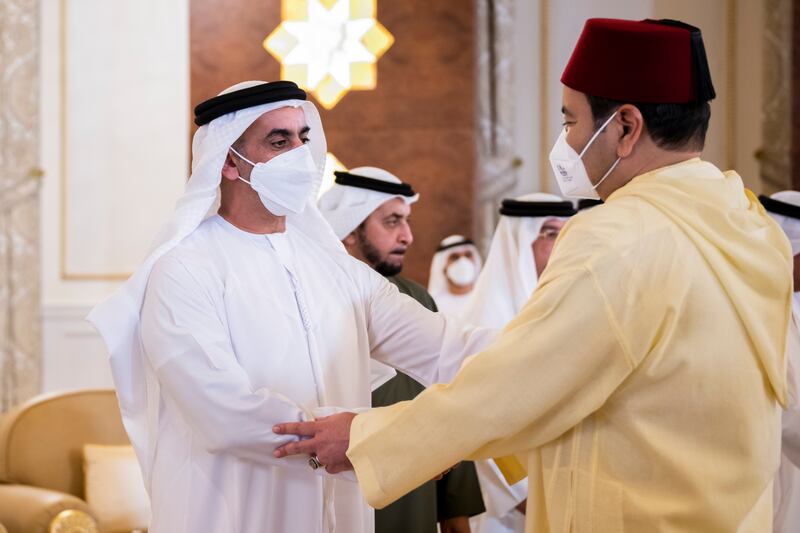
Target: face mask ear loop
{"points": [[610, 170], [598, 132], [243, 158]]}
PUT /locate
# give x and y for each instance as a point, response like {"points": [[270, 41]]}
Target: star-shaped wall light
{"points": [[329, 47]]}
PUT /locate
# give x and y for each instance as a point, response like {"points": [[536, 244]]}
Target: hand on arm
{"points": [[327, 439]]}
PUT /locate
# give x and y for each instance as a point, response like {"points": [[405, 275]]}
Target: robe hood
{"points": [[745, 249]]}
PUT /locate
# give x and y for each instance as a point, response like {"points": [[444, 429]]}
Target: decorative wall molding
{"points": [[731, 53], [133, 53], [497, 162], [20, 326], [74, 354], [775, 154]]}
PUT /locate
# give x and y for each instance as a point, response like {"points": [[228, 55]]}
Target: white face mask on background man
{"points": [[569, 169], [462, 272], [285, 182]]}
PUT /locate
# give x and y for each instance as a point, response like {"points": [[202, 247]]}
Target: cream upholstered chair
{"points": [[41, 460]]}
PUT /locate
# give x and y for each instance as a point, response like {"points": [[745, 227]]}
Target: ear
{"points": [[350, 241], [229, 169], [632, 123]]}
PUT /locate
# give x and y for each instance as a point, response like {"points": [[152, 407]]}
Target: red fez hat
{"points": [[648, 62]]}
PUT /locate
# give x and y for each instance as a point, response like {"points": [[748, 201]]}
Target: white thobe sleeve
{"points": [[790, 437], [499, 497], [189, 348], [430, 347]]}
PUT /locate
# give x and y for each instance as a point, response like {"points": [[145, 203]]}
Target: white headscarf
{"points": [[791, 226], [509, 277], [437, 281], [346, 207], [117, 318]]}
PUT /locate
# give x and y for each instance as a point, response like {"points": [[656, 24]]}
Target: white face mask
{"points": [[570, 171], [284, 183], [461, 272]]}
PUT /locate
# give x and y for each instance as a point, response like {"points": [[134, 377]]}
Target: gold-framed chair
{"points": [[41, 459]]}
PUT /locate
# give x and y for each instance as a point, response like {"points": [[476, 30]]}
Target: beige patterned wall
{"points": [[20, 330], [775, 155], [497, 161]]}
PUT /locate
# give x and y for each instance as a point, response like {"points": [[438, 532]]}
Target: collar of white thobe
{"points": [[279, 242]]}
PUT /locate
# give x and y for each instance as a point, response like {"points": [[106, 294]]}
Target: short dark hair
{"points": [[671, 126]]}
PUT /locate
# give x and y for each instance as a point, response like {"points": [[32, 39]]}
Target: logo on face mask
{"points": [[570, 171], [284, 183]]}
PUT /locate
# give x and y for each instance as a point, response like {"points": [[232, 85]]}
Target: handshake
{"points": [[325, 440]]}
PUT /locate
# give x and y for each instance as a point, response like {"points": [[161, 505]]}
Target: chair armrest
{"points": [[25, 509]]}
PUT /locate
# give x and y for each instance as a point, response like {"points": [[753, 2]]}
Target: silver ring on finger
{"points": [[314, 463]]}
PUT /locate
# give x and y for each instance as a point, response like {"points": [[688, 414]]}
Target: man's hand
{"points": [[326, 438]]}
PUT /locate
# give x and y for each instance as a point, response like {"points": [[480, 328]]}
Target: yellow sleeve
{"points": [[554, 364]]}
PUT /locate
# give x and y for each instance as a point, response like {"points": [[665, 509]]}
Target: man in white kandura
{"points": [[520, 249], [454, 268], [784, 207], [251, 315]]}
